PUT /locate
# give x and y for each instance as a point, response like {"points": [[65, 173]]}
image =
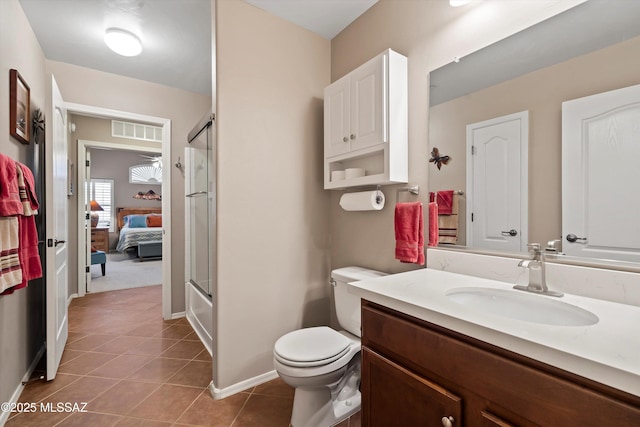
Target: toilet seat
{"points": [[311, 347]]}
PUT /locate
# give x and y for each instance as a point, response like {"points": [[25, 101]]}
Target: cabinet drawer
{"points": [[514, 388], [100, 239]]}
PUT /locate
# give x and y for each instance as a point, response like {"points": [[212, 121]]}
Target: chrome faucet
{"points": [[536, 266]]}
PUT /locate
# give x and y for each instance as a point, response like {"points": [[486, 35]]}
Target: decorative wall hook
{"points": [[37, 125], [437, 159]]}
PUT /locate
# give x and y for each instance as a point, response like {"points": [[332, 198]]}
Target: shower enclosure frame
{"points": [[200, 214]]}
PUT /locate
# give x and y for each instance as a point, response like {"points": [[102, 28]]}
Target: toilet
{"points": [[322, 364]]}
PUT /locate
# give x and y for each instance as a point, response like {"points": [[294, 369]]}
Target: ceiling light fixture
{"points": [[456, 3], [122, 42]]}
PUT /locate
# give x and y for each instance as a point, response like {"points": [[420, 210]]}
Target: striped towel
{"points": [[10, 270], [27, 197], [448, 223]]}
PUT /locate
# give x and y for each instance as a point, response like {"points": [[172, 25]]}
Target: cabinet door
{"points": [[394, 396], [490, 420], [368, 104], [336, 118]]}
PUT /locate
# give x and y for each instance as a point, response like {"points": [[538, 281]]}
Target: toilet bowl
{"points": [[322, 364]]}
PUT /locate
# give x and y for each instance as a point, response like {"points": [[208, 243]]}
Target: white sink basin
{"points": [[520, 305]]}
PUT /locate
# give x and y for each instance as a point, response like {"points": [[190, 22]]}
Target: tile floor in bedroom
{"points": [[134, 369]]}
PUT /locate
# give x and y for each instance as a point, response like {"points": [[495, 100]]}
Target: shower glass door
{"points": [[200, 206]]}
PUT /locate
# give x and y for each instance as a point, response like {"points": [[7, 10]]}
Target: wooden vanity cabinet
{"points": [[415, 373]]}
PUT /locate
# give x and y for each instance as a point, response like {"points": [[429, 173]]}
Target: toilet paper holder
{"points": [[364, 199], [379, 194]]}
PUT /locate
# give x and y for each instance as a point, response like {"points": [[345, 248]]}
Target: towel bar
{"points": [[458, 192], [414, 189]]}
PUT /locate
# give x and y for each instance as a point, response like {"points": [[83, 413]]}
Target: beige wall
{"points": [[430, 34], [273, 230], [21, 314], [541, 93], [95, 88]]}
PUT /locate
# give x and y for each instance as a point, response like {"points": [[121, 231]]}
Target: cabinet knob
{"points": [[353, 136], [448, 421], [345, 139]]}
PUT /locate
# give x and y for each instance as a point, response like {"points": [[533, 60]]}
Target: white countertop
{"points": [[607, 352]]}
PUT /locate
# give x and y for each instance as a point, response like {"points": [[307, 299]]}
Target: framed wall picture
{"points": [[19, 107]]}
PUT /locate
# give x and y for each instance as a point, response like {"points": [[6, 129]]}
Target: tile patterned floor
{"points": [[134, 369]]}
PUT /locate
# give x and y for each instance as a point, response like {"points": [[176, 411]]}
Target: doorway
{"points": [[117, 180], [165, 151]]}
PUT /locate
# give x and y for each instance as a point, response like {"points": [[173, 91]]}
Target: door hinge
{"points": [[87, 216], [473, 149], [87, 163], [471, 216], [87, 269]]}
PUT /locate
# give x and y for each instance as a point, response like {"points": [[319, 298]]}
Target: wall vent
{"points": [[135, 131]]}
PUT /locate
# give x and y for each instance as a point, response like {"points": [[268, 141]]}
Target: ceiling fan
{"points": [[156, 161]]}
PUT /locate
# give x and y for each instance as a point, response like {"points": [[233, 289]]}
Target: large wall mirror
{"points": [[517, 87]]}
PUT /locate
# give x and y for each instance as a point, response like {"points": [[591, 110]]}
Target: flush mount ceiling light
{"points": [[122, 42], [456, 3]]}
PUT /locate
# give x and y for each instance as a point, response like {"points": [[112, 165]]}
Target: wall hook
{"points": [[178, 164]]}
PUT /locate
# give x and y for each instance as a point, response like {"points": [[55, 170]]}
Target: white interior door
{"points": [[84, 188], [600, 175], [497, 183], [57, 221]]}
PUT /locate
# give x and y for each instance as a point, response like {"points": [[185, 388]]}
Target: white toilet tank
{"points": [[348, 305]]}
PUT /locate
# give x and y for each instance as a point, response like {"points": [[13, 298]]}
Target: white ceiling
{"points": [[324, 17], [582, 29], [175, 33]]}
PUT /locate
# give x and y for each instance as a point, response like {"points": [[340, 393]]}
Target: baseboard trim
{"points": [[221, 393], [71, 298], [4, 416], [178, 315]]}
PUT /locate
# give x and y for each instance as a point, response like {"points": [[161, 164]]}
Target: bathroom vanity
{"points": [[430, 361]]}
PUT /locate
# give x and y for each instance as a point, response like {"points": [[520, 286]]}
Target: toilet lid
{"points": [[311, 347]]}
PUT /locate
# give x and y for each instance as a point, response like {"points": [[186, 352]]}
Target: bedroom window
{"points": [[102, 192]]}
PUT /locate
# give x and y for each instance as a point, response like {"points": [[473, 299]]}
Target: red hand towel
{"points": [[409, 230], [434, 236], [445, 202], [10, 203]]}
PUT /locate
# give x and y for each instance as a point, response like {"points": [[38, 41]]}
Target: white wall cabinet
{"points": [[366, 125]]}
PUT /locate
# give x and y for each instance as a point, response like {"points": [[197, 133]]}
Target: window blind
{"points": [[102, 192]]}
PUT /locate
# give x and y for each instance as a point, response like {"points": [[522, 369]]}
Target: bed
{"points": [[132, 224]]}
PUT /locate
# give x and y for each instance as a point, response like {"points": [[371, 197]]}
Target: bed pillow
{"points": [[154, 220], [137, 221]]}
